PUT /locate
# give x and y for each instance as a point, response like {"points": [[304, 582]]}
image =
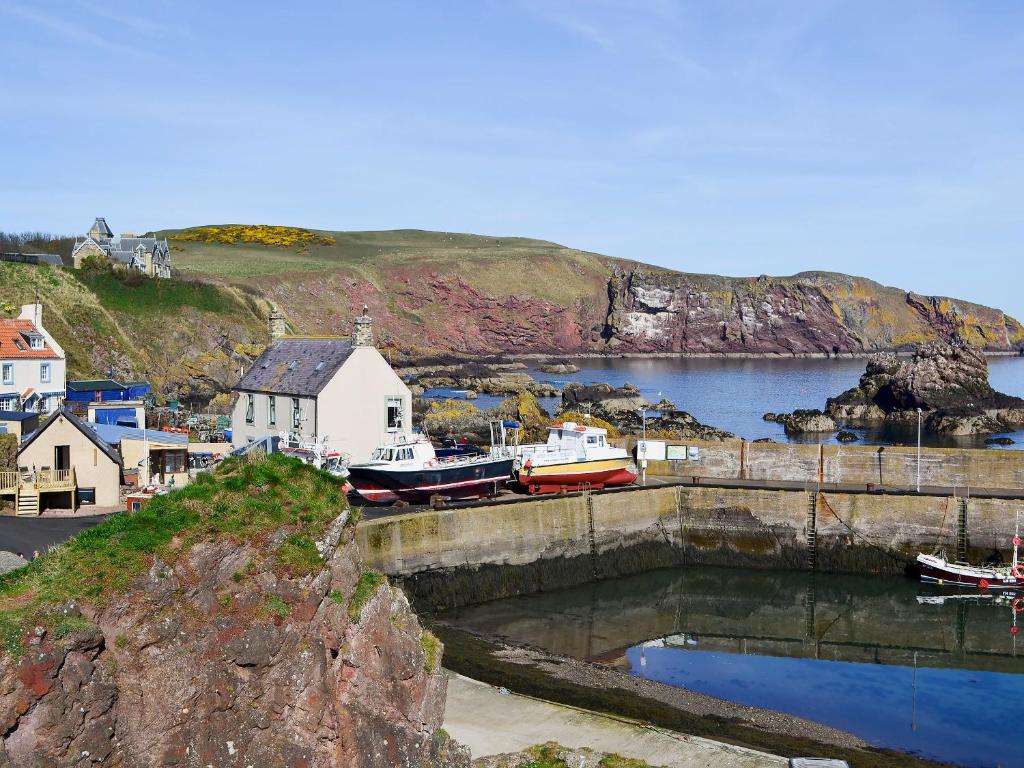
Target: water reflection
{"points": [[900, 664]]}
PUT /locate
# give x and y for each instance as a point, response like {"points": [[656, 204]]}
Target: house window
{"points": [[7, 404], [44, 373], [36, 342], [394, 414], [296, 413], [271, 410], [250, 409], [8, 373]]}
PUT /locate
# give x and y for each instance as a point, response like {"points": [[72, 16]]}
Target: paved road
{"points": [[28, 534], [491, 723]]}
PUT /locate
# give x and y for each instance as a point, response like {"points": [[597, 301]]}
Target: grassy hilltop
{"points": [[447, 293]]}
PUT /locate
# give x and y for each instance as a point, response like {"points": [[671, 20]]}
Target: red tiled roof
{"points": [[11, 338]]}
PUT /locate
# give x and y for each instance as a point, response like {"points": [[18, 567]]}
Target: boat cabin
{"points": [[414, 452], [571, 435]]}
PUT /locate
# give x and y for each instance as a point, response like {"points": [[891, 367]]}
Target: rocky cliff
{"points": [[442, 293], [229, 624]]}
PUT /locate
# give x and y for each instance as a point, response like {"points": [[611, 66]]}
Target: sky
{"points": [[742, 138]]}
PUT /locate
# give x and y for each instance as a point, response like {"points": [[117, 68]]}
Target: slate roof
{"points": [[100, 226], [17, 415], [13, 345], [82, 427], [296, 366]]}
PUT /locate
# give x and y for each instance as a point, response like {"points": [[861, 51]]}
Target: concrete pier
{"points": [[473, 553]]}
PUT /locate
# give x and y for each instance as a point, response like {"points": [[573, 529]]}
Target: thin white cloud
{"points": [[71, 31]]}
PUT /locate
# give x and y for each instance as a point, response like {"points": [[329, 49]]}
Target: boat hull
{"points": [[573, 476], [384, 485], [935, 570]]}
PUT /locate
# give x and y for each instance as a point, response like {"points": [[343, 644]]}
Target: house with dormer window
{"points": [[340, 391], [149, 255], [32, 365]]}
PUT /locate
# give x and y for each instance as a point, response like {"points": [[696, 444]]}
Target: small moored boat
{"points": [[935, 569], [411, 470], [574, 457]]}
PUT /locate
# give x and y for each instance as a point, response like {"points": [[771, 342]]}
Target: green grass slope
{"points": [[187, 337]]}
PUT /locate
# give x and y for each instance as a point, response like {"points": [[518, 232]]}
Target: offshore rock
{"points": [[801, 421], [948, 382], [625, 408], [558, 368], [191, 668], [490, 380]]}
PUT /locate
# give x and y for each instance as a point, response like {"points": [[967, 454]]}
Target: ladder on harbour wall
{"points": [[812, 530], [962, 539], [589, 499]]}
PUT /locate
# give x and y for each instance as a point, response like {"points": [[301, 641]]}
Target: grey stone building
{"points": [[149, 255]]}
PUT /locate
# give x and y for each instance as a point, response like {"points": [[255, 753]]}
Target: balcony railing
{"points": [[43, 480]]}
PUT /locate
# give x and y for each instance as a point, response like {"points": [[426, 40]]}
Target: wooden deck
{"points": [[26, 487]]}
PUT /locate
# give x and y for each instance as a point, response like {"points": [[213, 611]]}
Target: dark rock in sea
{"points": [[1002, 440], [625, 408], [948, 382], [558, 368], [770, 416], [802, 421], [763, 440], [845, 436]]}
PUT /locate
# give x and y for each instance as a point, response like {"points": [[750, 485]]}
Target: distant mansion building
{"points": [[148, 255]]}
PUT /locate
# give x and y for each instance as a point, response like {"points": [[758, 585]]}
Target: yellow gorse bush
{"points": [[262, 234]]}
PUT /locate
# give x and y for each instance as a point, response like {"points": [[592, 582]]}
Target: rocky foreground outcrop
{"points": [[948, 382], [236, 639]]}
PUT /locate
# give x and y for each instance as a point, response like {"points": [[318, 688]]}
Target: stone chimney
{"points": [[364, 330], [277, 323]]}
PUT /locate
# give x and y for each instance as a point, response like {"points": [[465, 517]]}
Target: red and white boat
{"points": [[935, 569], [574, 457]]}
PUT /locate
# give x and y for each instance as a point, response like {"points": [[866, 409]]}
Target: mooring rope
{"points": [[867, 541]]}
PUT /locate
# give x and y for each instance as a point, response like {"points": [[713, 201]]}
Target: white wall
{"points": [[26, 372], [242, 433], [352, 410]]}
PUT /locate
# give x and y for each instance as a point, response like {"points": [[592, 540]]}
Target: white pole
{"points": [[643, 461], [918, 450]]}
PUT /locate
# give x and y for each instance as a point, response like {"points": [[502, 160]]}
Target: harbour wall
{"points": [[463, 555], [885, 466]]}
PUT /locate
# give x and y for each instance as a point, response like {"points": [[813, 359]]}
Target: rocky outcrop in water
{"points": [[626, 409], [491, 379], [802, 421], [948, 382]]}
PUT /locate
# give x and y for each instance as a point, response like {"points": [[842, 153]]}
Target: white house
{"points": [[32, 365], [340, 391]]}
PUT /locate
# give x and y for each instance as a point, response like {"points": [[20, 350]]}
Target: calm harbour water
{"points": [[899, 664], [733, 394]]}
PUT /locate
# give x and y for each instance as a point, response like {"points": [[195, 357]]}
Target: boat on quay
{"points": [[574, 457], [411, 470], [936, 569]]}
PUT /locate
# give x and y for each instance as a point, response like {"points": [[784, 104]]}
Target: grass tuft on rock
{"points": [[365, 588], [244, 500], [431, 650]]}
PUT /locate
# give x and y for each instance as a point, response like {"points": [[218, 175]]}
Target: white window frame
{"points": [[36, 342], [271, 410], [7, 403], [7, 373], [296, 413], [250, 409], [398, 403], [44, 373]]}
